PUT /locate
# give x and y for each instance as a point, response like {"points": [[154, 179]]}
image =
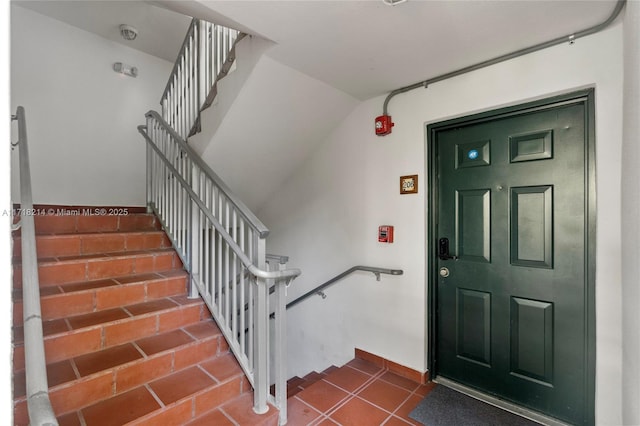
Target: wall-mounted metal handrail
{"points": [[318, 289], [222, 245], [38, 403]]}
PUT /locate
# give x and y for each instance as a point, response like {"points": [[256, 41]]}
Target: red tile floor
{"points": [[357, 394]]}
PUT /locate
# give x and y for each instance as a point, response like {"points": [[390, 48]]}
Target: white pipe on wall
{"points": [[630, 215]]}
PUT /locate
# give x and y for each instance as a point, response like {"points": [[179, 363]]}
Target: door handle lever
{"points": [[443, 250]]}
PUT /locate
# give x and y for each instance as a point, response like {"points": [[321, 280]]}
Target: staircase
{"points": [[124, 344], [297, 384]]}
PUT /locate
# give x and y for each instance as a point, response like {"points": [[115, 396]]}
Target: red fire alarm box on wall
{"points": [[385, 234], [383, 125]]}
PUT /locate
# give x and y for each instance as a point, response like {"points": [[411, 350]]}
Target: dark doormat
{"points": [[446, 407]]}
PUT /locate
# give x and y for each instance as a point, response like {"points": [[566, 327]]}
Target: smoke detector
{"points": [[393, 2], [128, 32]]}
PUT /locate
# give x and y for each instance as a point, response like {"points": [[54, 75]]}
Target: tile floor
{"points": [[357, 394]]}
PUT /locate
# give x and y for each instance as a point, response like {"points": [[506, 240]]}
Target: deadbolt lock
{"points": [[444, 272]]}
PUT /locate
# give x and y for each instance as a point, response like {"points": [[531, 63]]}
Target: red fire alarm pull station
{"points": [[383, 125], [385, 234]]}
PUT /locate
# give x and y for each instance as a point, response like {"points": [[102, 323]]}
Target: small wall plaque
{"points": [[409, 184]]}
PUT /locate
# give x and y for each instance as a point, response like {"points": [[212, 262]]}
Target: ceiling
{"points": [[364, 48], [160, 31]]}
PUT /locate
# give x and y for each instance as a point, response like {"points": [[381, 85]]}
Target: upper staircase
{"points": [[124, 344]]}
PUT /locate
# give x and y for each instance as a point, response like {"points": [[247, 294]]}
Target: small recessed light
{"points": [[393, 2]]}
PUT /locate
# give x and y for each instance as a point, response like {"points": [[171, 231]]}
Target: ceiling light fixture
{"points": [[128, 32], [393, 2]]}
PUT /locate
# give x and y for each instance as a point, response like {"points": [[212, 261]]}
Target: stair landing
{"points": [[356, 394]]}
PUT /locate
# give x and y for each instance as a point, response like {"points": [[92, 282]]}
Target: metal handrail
{"points": [[256, 271], [251, 218], [206, 55], [222, 245], [38, 403], [318, 290], [176, 64]]}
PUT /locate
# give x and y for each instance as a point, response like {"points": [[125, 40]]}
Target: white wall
{"points": [[630, 217], [81, 115], [326, 215], [268, 119]]}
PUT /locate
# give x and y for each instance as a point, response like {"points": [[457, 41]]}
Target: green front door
{"points": [[511, 292]]}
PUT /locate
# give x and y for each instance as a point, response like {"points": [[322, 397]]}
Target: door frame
{"points": [[585, 97]]}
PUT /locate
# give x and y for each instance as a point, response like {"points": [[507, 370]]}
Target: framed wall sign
{"points": [[409, 184]]}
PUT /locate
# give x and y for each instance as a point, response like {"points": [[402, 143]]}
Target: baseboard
{"points": [[400, 370]]}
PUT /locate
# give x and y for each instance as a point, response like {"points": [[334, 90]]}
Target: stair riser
{"points": [[178, 413], [184, 411], [69, 271], [67, 224], [82, 302], [78, 342], [88, 390], [48, 246]]}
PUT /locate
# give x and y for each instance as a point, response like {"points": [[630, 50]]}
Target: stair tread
{"points": [[82, 367], [58, 301], [314, 376], [98, 256], [90, 285], [100, 318], [238, 411], [138, 402], [61, 224], [297, 384], [295, 381], [90, 233], [329, 370], [69, 269], [87, 243], [192, 385]]}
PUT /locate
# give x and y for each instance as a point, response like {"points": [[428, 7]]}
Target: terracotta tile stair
{"points": [[358, 393], [297, 384], [123, 343]]}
